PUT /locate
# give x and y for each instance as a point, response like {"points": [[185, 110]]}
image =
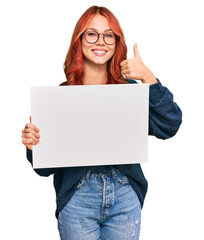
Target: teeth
{"points": [[100, 52]]}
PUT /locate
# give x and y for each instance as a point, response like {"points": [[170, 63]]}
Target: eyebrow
{"points": [[106, 30]]}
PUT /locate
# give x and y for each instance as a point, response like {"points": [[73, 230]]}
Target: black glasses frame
{"points": [[98, 36]]}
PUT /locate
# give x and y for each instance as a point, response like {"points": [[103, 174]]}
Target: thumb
{"points": [[136, 53]]}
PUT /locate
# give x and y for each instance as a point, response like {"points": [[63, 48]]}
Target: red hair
{"points": [[74, 63]]}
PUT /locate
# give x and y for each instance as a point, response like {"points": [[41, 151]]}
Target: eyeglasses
{"points": [[92, 37]]}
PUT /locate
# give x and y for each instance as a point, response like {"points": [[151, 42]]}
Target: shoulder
{"points": [[128, 80], [63, 84], [131, 81]]}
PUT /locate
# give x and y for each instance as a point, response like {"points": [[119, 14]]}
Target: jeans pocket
{"points": [[81, 183], [122, 179]]}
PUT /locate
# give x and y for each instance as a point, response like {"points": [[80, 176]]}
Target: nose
{"points": [[100, 40]]}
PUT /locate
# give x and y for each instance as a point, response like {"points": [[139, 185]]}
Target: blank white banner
{"points": [[90, 125]]}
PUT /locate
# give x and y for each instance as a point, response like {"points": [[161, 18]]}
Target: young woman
{"points": [[104, 202]]}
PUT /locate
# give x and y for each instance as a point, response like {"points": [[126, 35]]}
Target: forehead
{"points": [[99, 22]]}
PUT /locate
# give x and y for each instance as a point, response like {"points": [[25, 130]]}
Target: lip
{"points": [[99, 52]]}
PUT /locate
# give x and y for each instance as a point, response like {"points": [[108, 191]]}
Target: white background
{"points": [[35, 37]]}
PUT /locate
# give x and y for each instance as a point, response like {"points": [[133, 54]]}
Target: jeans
{"points": [[104, 206]]}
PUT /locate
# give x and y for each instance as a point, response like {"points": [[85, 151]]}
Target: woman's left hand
{"points": [[135, 69]]}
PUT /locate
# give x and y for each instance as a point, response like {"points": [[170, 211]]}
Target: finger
{"points": [[28, 141], [30, 130], [124, 68], [127, 75], [136, 52], [30, 125], [125, 71], [30, 119], [123, 63], [30, 135]]}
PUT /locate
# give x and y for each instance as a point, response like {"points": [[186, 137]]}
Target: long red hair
{"points": [[74, 63]]}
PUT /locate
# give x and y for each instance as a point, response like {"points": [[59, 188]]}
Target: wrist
{"points": [[149, 77]]}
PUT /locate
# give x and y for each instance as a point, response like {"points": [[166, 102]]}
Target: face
{"points": [[99, 52]]}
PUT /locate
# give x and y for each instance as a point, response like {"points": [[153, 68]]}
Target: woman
{"points": [[105, 201]]}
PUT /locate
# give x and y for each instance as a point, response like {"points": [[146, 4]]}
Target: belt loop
{"points": [[114, 173], [88, 174]]}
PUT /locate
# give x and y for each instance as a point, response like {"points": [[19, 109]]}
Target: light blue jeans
{"points": [[104, 206]]}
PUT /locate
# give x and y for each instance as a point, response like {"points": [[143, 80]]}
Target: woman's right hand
{"points": [[30, 135]]}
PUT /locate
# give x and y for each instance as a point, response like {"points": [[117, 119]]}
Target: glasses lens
{"points": [[110, 38], [91, 37]]}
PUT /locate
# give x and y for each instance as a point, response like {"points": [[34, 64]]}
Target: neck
{"points": [[94, 74]]}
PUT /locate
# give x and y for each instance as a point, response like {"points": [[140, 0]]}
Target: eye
{"points": [[91, 34], [109, 35]]}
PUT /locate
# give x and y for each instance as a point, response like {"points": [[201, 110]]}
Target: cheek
{"points": [[84, 47], [112, 51], [86, 50]]}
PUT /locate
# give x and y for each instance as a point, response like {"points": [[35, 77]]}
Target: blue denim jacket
{"points": [[165, 118]]}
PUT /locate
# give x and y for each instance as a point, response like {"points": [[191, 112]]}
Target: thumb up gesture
{"points": [[135, 69]]}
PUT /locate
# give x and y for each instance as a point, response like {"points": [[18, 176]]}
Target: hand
{"points": [[30, 135], [135, 69]]}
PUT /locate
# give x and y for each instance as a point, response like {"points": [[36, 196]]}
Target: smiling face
{"points": [[99, 52]]}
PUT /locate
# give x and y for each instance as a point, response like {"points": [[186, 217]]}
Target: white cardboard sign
{"points": [[90, 125]]}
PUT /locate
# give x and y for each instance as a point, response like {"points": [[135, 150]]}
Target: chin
{"points": [[97, 62], [101, 61]]}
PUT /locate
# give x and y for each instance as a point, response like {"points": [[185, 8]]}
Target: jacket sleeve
{"points": [[45, 172], [165, 116]]}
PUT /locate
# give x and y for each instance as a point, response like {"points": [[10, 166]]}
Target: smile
{"points": [[99, 53]]}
